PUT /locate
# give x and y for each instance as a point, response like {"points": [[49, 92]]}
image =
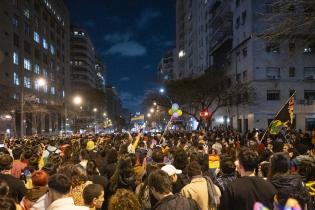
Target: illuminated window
{"points": [[36, 37], [26, 13], [27, 64], [36, 69], [52, 49], [27, 82], [52, 90], [45, 44], [15, 58], [16, 80]]}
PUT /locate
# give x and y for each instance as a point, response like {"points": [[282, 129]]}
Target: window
{"points": [[52, 90], [45, 44], [37, 54], [273, 47], [36, 69], [15, 21], [310, 124], [309, 95], [45, 73], [308, 50], [26, 13], [16, 79], [52, 49], [237, 3], [273, 95], [273, 73], [27, 47], [292, 72], [309, 73], [15, 58], [291, 46], [16, 40], [244, 51], [36, 37], [27, 82], [243, 17], [237, 23], [27, 29], [45, 87], [27, 64]]}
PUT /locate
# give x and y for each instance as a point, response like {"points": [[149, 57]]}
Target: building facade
{"points": [[231, 32], [34, 63], [166, 66]]}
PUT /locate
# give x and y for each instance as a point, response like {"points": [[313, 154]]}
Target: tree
{"points": [[290, 20], [210, 92]]}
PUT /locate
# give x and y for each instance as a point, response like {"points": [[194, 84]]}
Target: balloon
{"points": [[175, 107], [170, 112], [175, 114], [179, 112]]}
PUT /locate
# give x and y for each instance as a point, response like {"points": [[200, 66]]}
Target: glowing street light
{"points": [[104, 114], [77, 100], [151, 110], [154, 103], [162, 90], [95, 110], [41, 82], [148, 115]]}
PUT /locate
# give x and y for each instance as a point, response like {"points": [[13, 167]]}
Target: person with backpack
{"points": [[201, 189], [51, 148]]}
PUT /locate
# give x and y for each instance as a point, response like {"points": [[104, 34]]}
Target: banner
{"points": [[284, 119]]}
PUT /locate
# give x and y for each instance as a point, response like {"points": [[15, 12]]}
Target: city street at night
{"points": [[157, 105]]}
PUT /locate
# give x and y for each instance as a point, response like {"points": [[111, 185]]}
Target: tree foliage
{"points": [[290, 19], [210, 91]]}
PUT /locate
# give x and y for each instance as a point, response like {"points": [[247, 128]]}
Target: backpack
{"points": [[213, 196]]}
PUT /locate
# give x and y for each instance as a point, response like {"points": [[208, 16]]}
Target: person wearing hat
{"points": [[171, 171], [90, 145]]}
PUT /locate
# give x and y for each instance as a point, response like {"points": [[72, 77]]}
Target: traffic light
{"points": [[204, 113]]}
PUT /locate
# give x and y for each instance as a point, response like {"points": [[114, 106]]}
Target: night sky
{"points": [[130, 36]]}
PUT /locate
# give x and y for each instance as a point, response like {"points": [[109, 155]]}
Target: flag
{"points": [[284, 119]]}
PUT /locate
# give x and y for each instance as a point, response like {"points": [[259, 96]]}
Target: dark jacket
{"points": [[176, 202], [222, 180], [17, 188], [291, 185]]}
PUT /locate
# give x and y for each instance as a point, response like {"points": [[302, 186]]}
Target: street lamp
{"points": [[162, 90], [148, 115], [41, 82], [77, 100], [95, 110], [151, 110], [154, 103], [104, 114]]}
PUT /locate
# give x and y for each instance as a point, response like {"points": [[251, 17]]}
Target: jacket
{"points": [[293, 186], [176, 202], [65, 204], [198, 191]]}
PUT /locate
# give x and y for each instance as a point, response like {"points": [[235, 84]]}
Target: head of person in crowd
{"points": [[55, 159], [39, 178], [123, 175], [263, 169], [5, 163], [227, 165], [247, 162], [124, 200], [112, 156], [307, 170], [286, 148], [180, 159], [93, 196], [270, 146], [7, 203], [158, 155], [33, 163], [194, 169], [171, 171], [4, 189], [91, 168], [160, 184], [75, 174], [50, 168], [17, 152], [90, 145], [59, 187], [279, 164]]}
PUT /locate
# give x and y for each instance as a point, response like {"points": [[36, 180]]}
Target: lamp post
{"points": [[77, 100], [95, 111], [40, 83]]}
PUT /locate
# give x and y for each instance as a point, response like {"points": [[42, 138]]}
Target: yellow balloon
{"points": [[179, 112], [170, 112]]}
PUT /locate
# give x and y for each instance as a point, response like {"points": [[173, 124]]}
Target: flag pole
{"points": [[276, 116]]}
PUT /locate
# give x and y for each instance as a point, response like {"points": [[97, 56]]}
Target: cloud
{"points": [[129, 48], [123, 79], [117, 37], [146, 16], [131, 101], [89, 23]]}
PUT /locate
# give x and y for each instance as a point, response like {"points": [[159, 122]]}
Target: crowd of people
{"points": [[219, 169]]}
